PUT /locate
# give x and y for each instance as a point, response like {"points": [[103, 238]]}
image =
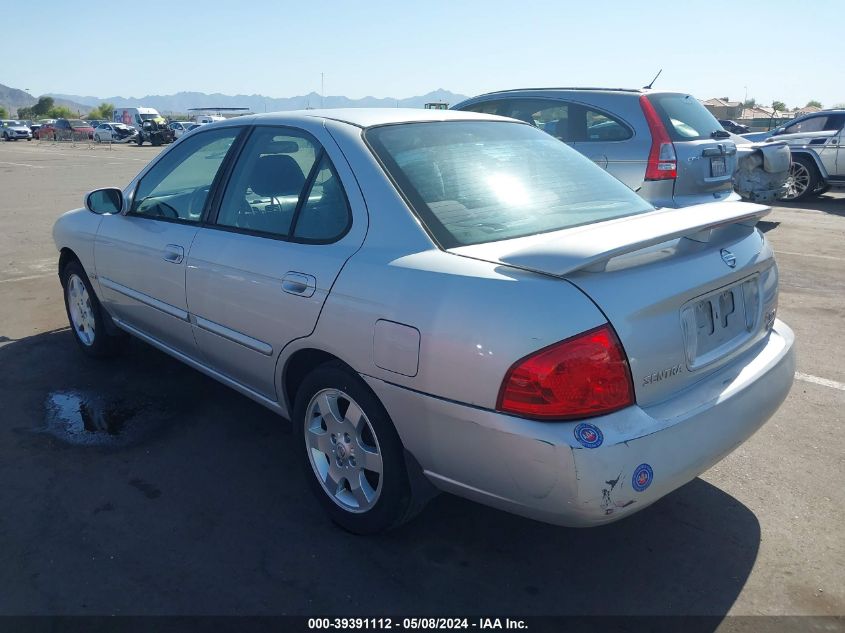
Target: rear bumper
{"points": [[540, 470]]}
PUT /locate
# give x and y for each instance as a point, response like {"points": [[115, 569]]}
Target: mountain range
{"points": [[13, 98], [183, 101]]}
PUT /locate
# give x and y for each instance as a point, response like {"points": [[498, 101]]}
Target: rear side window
{"points": [[284, 184], [684, 117], [472, 182], [603, 127], [567, 122]]}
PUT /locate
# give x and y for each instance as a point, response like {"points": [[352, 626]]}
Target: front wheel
{"points": [[97, 138], [802, 179], [350, 451], [85, 314]]}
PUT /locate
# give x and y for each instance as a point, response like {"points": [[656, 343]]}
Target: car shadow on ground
{"points": [[188, 501], [826, 203]]}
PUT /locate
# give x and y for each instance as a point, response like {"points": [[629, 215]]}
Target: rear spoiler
{"points": [[590, 247]]}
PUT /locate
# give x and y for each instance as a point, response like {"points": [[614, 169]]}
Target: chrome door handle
{"points": [[299, 284], [174, 254]]}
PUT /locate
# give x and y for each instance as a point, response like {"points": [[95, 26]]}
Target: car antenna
{"points": [[648, 87]]}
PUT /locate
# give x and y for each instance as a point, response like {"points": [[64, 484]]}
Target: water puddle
{"points": [[89, 420]]}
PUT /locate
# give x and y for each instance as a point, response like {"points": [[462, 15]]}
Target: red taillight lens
{"points": [[662, 162], [584, 376]]}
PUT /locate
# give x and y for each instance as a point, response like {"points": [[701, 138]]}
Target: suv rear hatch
{"points": [[686, 290], [705, 157]]}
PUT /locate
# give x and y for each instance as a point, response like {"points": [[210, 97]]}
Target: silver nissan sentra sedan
{"points": [[441, 300]]}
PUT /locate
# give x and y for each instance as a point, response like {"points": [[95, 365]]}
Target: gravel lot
{"points": [[196, 508]]}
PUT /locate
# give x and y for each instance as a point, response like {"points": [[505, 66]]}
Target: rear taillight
{"points": [[662, 162], [583, 376]]}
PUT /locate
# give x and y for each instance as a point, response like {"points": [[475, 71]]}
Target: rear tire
{"points": [[85, 314], [350, 452], [802, 180]]}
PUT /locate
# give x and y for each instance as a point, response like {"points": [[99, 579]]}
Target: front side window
{"points": [[471, 182], [177, 186], [811, 124]]}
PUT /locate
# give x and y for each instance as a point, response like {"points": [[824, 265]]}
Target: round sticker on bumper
{"points": [[588, 436], [642, 477]]}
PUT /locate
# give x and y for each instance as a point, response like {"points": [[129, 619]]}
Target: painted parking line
{"points": [[825, 382], [3, 162], [838, 259], [27, 278]]}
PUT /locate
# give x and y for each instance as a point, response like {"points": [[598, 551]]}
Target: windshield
{"points": [[472, 182], [684, 116], [148, 117]]}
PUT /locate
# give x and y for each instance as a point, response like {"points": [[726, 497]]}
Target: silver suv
{"points": [[818, 154], [665, 146]]}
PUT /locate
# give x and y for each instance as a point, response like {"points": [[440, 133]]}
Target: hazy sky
{"points": [[399, 48]]}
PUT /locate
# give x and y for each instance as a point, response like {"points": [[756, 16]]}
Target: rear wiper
{"points": [[719, 134]]}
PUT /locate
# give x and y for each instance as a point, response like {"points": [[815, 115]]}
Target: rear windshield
{"points": [[472, 182], [78, 123], [684, 117]]}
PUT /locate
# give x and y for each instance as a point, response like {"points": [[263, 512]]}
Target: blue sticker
{"points": [[588, 435], [642, 477]]}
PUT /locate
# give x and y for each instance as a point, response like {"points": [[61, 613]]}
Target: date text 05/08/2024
{"points": [[413, 624]]}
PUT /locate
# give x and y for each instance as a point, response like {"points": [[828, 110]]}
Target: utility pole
{"points": [[746, 97], [322, 88]]}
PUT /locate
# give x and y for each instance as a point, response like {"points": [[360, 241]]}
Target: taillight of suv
{"points": [[584, 376], [662, 162]]}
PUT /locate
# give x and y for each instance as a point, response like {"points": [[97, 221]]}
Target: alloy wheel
{"points": [[343, 450], [796, 182], [81, 310]]}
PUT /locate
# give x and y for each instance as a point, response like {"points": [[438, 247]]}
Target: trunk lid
{"points": [[686, 290]]}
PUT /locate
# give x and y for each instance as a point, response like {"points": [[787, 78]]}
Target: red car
{"points": [[67, 130], [45, 129]]}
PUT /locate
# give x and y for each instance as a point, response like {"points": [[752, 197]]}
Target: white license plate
{"points": [[717, 167]]}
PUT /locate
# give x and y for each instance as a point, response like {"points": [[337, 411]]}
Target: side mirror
{"points": [[103, 201], [779, 130]]}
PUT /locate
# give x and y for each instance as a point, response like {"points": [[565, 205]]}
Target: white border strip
{"points": [[820, 381]]}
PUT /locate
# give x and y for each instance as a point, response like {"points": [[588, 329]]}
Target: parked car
{"points": [[182, 127], [72, 130], [113, 132], [155, 132], [666, 146], [733, 127], [15, 130], [441, 300], [818, 156], [822, 121], [45, 129]]}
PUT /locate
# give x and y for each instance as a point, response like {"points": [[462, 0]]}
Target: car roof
{"points": [[368, 117]]}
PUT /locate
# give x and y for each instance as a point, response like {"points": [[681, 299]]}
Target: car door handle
{"points": [[299, 284], [174, 254]]}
